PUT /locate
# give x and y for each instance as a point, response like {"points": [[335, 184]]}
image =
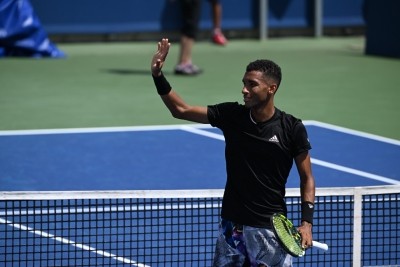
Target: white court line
{"points": [[72, 243], [353, 132], [355, 172], [202, 132], [314, 161], [101, 129]]}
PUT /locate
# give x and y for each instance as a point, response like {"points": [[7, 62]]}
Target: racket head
{"points": [[287, 235]]}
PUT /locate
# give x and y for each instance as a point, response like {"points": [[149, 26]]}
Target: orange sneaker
{"points": [[219, 39]]}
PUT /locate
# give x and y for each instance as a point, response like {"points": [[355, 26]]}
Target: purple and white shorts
{"points": [[241, 245]]}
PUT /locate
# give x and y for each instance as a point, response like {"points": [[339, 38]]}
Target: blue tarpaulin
{"points": [[21, 33]]}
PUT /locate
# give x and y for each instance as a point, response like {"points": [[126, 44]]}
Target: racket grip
{"points": [[319, 245]]}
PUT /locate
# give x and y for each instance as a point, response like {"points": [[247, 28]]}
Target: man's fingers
{"points": [[164, 47], [306, 245], [160, 56]]}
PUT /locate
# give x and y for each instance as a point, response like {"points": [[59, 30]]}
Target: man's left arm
{"points": [[307, 191]]}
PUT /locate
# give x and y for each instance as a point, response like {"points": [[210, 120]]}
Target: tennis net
{"points": [[179, 227]]}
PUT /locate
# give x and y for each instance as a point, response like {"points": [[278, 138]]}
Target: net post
{"points": [[357, 227]]}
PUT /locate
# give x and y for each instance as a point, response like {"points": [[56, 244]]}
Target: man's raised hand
{"points": [[159, 57]]}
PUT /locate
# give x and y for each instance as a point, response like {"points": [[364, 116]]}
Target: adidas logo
{"points": [[274, 139]]}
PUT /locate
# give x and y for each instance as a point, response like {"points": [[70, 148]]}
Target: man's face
{"points": [[255, 90]]}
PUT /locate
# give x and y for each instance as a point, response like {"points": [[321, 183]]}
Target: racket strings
{"points": [[289, 236]]}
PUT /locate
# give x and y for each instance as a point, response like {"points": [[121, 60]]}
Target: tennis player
{"points": [[261, 144]]}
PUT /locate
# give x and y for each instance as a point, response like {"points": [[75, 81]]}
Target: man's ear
{"points": [[272, 89]]}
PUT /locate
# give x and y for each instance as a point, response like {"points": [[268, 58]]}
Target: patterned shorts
{"points": [[241, 245]]}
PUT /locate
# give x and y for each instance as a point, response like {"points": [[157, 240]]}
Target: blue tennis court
{"points": [[120, 229], [176, 157]]}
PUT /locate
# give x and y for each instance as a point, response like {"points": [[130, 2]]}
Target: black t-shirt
{"points": [[259, 157]]}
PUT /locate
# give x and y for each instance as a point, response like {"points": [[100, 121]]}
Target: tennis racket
{"points": [[289, 237]]}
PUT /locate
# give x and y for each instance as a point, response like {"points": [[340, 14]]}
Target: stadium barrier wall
{"points": [[127, 16]]}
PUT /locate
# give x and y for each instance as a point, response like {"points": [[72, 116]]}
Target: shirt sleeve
{"points": [[218, 114], [300, 139]]}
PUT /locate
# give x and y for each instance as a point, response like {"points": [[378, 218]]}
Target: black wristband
{"points": [[162, 85], [307, 211]]}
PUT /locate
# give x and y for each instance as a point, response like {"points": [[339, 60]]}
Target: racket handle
{"points": [[319, 245]]}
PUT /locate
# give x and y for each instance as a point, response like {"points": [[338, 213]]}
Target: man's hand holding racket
{"points": [[159, 57], [306, 234], [291, 239]]}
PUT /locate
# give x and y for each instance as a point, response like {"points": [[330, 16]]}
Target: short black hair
{"points": [[268, 67]]}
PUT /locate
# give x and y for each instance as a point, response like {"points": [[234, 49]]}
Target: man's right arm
{"points": [[176, 105]]}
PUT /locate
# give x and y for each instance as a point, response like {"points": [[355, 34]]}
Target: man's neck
{"points": [[262, 114]]}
